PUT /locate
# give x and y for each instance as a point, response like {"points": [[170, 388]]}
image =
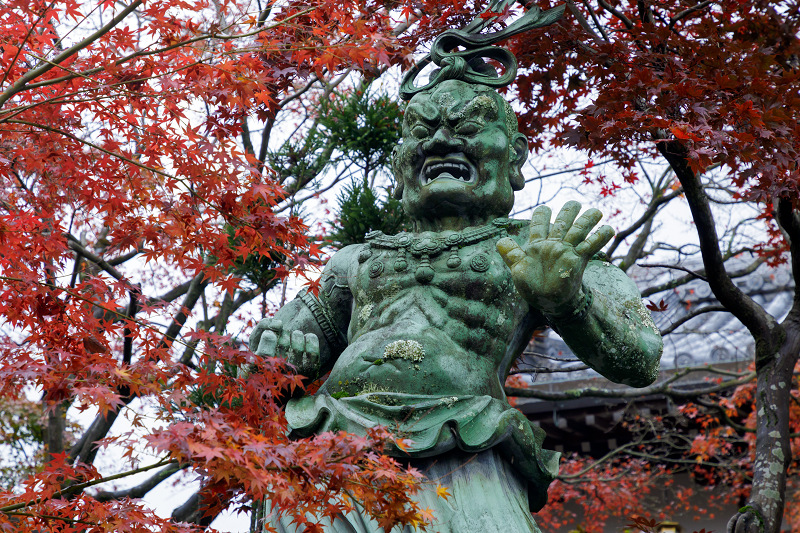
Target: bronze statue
{"points": [[420, 329]]}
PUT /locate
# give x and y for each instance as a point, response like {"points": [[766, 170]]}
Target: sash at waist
{"points": [[435, 425]]}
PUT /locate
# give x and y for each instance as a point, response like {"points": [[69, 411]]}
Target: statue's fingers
{"points": [[255, 336], [581, 228], [311, 357], [284, 338], [312, 344], [298, 342], [564, 219], [595, 242], [275, 324], [268, 344], [510, 251], [540, 223]]}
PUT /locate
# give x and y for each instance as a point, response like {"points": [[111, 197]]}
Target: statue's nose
{"points": [[442, 142]]}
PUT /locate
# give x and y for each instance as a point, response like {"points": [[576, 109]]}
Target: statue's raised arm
{"points": [[593, 305]]}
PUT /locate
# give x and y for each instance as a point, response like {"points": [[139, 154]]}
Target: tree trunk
{"points": [[55, 429], [764, 509]]}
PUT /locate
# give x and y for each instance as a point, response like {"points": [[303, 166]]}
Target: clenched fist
{"points": [[270, 339]]}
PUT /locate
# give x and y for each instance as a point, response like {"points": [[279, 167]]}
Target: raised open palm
{"points": [[548, 268]]}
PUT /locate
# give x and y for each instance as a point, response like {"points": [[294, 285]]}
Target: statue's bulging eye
{"points": [[419, 131], [468, 128]]}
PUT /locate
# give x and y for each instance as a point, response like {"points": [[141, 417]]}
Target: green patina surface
{"points": [[433, 318]]}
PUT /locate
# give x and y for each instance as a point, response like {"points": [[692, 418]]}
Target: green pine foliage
{"points": [[361, 211], [364, 129]]}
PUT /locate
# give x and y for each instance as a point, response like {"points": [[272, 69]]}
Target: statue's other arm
{"points": [[310, 331]]}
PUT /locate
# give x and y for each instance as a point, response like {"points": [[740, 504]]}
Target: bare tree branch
{"points": [[140, 490], [687, 317], [664, 387]]}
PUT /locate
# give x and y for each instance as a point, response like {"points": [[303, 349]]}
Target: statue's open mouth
{"points": [[453, 167]]}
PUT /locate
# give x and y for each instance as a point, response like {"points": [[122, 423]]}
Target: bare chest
{"points": [[456, 277]]}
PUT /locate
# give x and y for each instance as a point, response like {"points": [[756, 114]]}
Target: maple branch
{"points": [[686, 12], [127, 334], [701, 273], [53, 517], [95, 146], [76, 268], [565, 171], [170, 295], [191, 510], [655, 203], [546, 370], [668, 459], [85, 450], [76, 246], [117, 155], [687, 317], [266, 133], [196, 287], [645, 13], [596, 20], [755, 319], [723, 415], [300, 92], [582, 21], [316, 193], [690, 272], [616, 451], [243, 298], [21, 83], [145, 53], [143, 488], [123, 258], [78, 487], [552, 358], [25, 41], [789, 222], [636, 250], [247, 140], [608, 7], [174, 293]]}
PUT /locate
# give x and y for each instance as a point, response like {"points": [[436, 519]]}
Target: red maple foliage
{"points": [[122, 170], [123, 175]]}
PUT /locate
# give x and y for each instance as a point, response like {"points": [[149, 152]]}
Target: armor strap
{"points": [[336, 340]]}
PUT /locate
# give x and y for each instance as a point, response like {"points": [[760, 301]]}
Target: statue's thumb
{"points": [[510, 251]]}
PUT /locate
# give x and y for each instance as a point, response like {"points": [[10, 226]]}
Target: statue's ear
{"points": [[519, 145], [398, 191]]}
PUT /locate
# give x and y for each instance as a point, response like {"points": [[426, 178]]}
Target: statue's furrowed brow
{"points": [[482, 106], [424, 113]]}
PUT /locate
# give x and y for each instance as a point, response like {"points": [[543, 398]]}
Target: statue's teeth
{"points": [[456, 170]]}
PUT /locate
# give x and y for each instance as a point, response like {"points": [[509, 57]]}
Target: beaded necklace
{"points": [[430, 246]]}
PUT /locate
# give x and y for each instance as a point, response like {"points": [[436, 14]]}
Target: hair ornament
{"points": [[468, 64]]}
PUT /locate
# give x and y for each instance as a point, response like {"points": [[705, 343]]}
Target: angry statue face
{"points": [[458, 157]]}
